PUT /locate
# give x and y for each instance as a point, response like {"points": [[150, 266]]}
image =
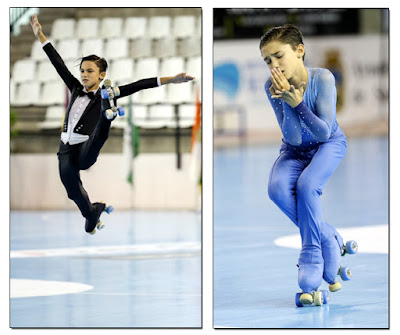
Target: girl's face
{"points": [[281, 55], [91, 75]]}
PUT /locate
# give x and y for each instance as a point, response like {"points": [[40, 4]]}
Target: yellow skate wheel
{"points": [[93, 232], [318, 299], [109, 114], [306, 299], [100, 225], [335, 287]]}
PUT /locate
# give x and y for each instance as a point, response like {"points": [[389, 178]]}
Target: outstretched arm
{"points": [[178, 79]]}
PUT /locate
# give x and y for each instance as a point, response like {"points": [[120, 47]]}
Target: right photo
{"points": [[301, 168]]}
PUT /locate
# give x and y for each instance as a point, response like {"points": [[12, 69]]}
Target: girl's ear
{"points": [[300, 51]]}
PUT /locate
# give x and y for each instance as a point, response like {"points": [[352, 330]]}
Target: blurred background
{"points": [[352, 43], [162, 124]]}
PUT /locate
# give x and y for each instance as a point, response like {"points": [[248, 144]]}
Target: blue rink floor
{"points": [[255, 281], [143, 270]]}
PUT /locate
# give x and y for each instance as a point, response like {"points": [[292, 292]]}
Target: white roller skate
{"points": [[110, 93]]}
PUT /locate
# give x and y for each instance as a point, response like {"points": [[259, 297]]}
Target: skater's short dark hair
{"points": [[100, 62], [288, 33]]}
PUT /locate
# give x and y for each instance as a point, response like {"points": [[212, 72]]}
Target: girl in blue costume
{"points": [[304, 101]]}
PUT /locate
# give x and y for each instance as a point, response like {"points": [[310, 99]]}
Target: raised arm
{"points": [[53, 55]]}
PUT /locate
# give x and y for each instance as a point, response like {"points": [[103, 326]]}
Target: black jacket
{"points": [[91, 115]]}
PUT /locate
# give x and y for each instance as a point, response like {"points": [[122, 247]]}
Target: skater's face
{"points": [[91, 75], [284, 56]]}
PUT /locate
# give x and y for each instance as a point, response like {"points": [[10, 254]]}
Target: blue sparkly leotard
{"points": [[314, 120]]}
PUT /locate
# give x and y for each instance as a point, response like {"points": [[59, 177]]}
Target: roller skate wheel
{"points": [[104, 93], [100, 225], [335, 287], [298, 303], [93, 232], [121, 111], [116, 91], [325, 296], [109, 114], [345, 273], [306, 299], [109, 209], [351, 247], [318, 298]]}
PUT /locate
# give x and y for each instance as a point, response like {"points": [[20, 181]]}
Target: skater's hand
{"points": [[278, 80], [293, 96], [37, 28], [181, 78]]}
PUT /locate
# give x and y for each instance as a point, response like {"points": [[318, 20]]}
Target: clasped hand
{"points": [[281, 89]]}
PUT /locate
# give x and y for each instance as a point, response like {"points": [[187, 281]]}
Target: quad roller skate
{"points": [[351, 248], [111, 93], [91, 226], [317, 298]]}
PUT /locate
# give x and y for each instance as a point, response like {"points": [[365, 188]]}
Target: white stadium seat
{"points": [[92, 46], [193, 67], [159, 26], [53, 93], [111, 27], [37, 52], [121, 71], [54, 118], [160, 115], [63, 29], [27, 94], [46, 72], [116, 48], [135, 27], [87, 28], [184, 26], [68, 49], [24, 70]]}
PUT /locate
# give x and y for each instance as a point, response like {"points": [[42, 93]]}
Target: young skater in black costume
{"points": [[86, 126]]}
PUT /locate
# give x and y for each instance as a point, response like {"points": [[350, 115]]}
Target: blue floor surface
{"points": [[255, 281], [144, 267]]}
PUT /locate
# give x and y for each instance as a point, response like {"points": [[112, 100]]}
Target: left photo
{"points": [[105, 167]]}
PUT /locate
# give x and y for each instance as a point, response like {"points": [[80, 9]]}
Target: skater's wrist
{"points": [[45, 43], [42, 38]]}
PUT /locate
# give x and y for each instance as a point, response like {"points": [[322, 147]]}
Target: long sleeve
{"points": [[320, 124], [60, 67], [142, 84], [288, 119]]}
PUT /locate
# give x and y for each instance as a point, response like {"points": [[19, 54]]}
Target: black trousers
{"points": [[73, 158]]}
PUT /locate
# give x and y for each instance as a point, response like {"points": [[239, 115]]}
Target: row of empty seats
{"points": [[154, 27], [121, 71], [120, 47], [154, 117], [50, 93]]}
